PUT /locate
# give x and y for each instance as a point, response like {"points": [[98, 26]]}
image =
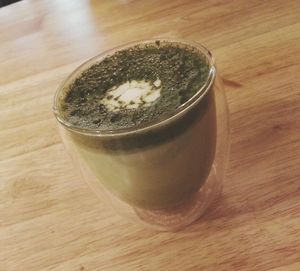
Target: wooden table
{"points": [[50, 220]]}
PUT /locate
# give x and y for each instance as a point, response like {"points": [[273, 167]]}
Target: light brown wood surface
{"points": [[51, 220]]}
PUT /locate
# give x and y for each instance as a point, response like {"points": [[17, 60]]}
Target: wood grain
{"points": [[50, 220]]}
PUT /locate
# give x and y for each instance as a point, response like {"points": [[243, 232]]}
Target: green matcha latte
{"points": [[143, 120]]}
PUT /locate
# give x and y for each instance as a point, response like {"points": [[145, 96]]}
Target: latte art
{"points": [[131, 95]]}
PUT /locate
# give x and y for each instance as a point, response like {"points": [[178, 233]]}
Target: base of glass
{"points": [[163, 220], [185, 214]]}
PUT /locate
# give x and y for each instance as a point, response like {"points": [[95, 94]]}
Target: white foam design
{"points": [[131, 95]]}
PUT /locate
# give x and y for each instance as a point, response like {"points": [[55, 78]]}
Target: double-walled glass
{"points": [[165, 173]]}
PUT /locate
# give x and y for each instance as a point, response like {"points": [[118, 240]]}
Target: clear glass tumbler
{"points": [[163, 174]]}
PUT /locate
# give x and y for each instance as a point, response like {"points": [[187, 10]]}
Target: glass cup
{"points": [[166, 173]]}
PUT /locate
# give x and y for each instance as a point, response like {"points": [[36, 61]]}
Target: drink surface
{"points": [[134, 86]]}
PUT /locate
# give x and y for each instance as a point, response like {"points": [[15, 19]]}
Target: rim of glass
{"points": [[146, 126]]}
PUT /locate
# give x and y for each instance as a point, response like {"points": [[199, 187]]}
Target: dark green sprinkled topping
{"points": [[182, 72]]}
